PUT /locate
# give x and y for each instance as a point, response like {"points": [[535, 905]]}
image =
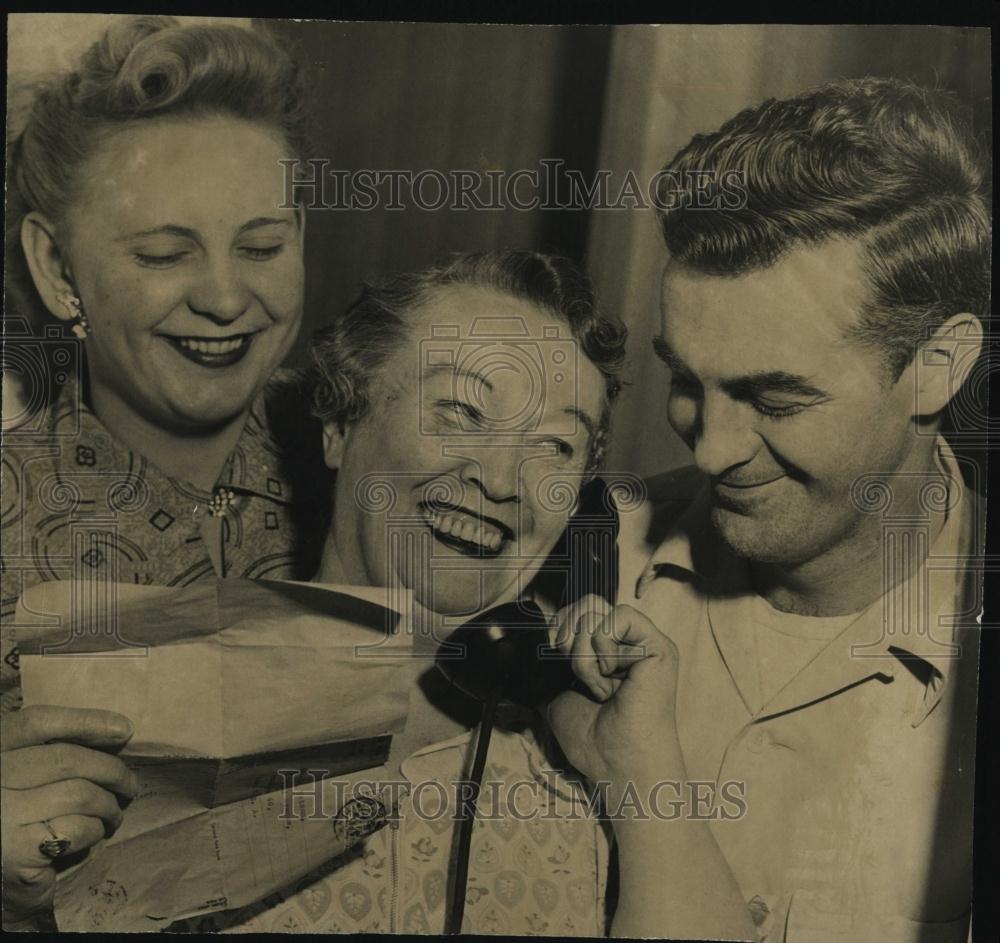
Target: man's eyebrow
{"points": [[172, 229], [771, 381], [751, 385], [458, 372]]}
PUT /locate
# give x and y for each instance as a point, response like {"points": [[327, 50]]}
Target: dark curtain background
{"points": [[447, 97]]}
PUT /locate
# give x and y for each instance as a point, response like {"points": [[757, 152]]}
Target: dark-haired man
{"points": [[813, 567]]}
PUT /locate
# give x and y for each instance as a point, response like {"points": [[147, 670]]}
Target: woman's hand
{"points": [[56, 768], [630, 668]]}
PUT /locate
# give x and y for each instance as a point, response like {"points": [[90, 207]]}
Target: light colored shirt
{"points": [[538, 864], [856, 769], [785, 642]]}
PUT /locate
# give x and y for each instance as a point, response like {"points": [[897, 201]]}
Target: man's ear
{"points": [[334, 440], [944, 360], [47, 262]]}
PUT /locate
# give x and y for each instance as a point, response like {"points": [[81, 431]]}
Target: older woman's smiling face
{"points": [[461, 477], [189, 272]]}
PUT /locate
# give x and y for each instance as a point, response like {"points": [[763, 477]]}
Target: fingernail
{"points": [[121, 728]]}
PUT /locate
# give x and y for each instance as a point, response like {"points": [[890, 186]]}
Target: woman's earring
{"points": [[81, 327]]}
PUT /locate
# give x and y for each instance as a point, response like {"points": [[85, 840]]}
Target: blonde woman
{"points": [[149, 220]]}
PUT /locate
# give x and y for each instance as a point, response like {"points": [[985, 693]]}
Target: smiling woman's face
{"points": [[190, 276], [461, 477]]}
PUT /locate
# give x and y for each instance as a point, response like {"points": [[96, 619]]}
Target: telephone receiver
{"points": [[504, 655], [505, 651]]}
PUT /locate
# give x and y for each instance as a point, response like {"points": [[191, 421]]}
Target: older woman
{"points": [[463, 407], [155, 227]]}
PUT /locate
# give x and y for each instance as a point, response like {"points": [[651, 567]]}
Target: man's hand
{"points": [[56, 768], [626, 734], [628, 730]]}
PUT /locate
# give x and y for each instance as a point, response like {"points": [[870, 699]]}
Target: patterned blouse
{"points": [[78, 504], [538, 866]]}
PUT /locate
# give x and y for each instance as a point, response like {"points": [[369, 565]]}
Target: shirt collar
{"points": [[277, 429], [875, 645], [692, 549], [939, 581]]}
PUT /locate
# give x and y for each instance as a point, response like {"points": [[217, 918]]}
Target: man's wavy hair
{"points": [[883, 161], [348, 355]]}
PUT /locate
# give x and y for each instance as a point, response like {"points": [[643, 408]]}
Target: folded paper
{"points": [[235, 688]]}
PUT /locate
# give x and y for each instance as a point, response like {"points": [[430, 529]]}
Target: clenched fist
{"points": [[627, 729]]}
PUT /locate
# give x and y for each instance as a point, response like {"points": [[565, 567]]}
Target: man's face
{"points": [[781, 410], [461, 477]]}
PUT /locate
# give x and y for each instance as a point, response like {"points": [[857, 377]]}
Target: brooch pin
{"points": [[358, 818], [221, 502]]}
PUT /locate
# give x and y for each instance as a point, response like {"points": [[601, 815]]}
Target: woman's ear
{"points": [[944, 361], [47, 263], [334, 440]]}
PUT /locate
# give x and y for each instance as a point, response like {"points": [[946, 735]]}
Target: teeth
{"points": [[211, 347], [455, 525]]}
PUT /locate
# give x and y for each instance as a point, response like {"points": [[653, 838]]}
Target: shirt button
{"points": [[757, 741]]}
